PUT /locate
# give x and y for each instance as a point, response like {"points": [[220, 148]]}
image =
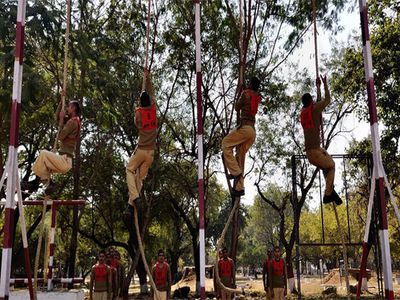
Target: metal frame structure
{"points": [[323, 243]]}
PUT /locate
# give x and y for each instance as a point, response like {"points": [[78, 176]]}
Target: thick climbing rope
{"points": [[339, 227], [141, 249], [220, 242], [60, 125], [146, 62]]}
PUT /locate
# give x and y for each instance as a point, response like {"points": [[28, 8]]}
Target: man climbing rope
{"points": [[265, 277], [242, 136], [310, 118], [141, 160], [162, 278], [277, 275], [49, 162], [227, 274], [100, 279]]}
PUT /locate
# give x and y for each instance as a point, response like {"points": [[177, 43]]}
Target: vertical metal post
{"points": [[200, 158], [379, 172]]}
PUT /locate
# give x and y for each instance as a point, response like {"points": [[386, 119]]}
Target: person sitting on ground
{"points": [[49, 162], [243, 136], [310, 118], [161, 274], [100, 279], [227, 274], [143, 156], [277, 275]]}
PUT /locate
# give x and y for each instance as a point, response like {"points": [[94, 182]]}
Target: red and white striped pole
{"points": [[12, 163], [200, 151], [52, 247], [379, 172]]}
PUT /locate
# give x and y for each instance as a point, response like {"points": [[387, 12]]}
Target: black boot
{"points": [[30, 186], [328, 199], [336, 198], [51, 188]]}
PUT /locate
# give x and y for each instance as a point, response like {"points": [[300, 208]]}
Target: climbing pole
{"points": [[379, 176], [13, 188], [200, 154]]}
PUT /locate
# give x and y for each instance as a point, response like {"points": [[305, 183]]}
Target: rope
{"points": [[146, 64], [141, 248], [65, 71], [220, 242], [346, 267], [39, 246]]}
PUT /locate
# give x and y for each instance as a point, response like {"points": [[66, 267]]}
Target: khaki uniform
{"points": [[49, 162], [164, 289], [228, 281], [316, 155], [240, 138], [101, 289], [277, 283], [141, 160]]}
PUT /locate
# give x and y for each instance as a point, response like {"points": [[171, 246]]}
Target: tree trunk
{"points": [[235, 232]]}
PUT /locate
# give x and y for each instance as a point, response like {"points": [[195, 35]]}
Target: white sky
{"points": [[304, 57]]}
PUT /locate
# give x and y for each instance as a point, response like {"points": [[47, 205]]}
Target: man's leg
{"points": [[144, 168], [243, 148], [278, 294], [233, 139], [134, 163], [321, 159], [48, 162]]}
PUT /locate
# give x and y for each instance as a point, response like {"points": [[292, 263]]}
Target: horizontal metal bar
{"points": [[338, 156], [41, 280], [50, 202], [328, 244]]}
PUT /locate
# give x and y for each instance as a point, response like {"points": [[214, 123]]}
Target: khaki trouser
{"points": [[242, 137], [268, 296], [321, 159], [49, 162], [136, 171], [279, 294], [161, 295], [100, 296], [225, 295]]}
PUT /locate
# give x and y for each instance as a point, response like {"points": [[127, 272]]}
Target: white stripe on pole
{"points": [[198, 38], [386, 261], [202, 259], [52, 235], [368, 62], [200, 155]]}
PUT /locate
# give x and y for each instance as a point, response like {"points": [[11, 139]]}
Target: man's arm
{"points": [[138, 119], [320, 106], [91, 283], [68, 128], [169, 283], [263, 276], [109, 283], [149, 86], [285, 276], [239, 103], [233, 273]]}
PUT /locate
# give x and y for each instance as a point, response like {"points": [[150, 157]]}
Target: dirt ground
{"points": [[311, 288]]}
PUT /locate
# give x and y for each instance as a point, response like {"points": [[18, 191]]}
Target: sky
{"points": [[304, 57]]}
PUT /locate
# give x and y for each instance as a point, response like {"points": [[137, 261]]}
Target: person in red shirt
{"points": [[227, 274], [100, 279], [162, 277], [266, 266], [277, 275], [216, 286], [310, 118], [143, 156], [243, 136]]}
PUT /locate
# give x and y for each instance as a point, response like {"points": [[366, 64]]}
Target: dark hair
{"points": [[255, 83], [102, 252], [77, 106], [224, 249], [306, 99], [277, 248], [160, 252], [145, 99]]}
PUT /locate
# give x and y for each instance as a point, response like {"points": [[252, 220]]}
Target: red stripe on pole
{"points": [[15, 112], [52, 247], [364, 25], [200, 129], [8, 231], [28, 272], [389, 295], [53, 215], [201, 203], [363, 267], [19, 46], [372, 101]]}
